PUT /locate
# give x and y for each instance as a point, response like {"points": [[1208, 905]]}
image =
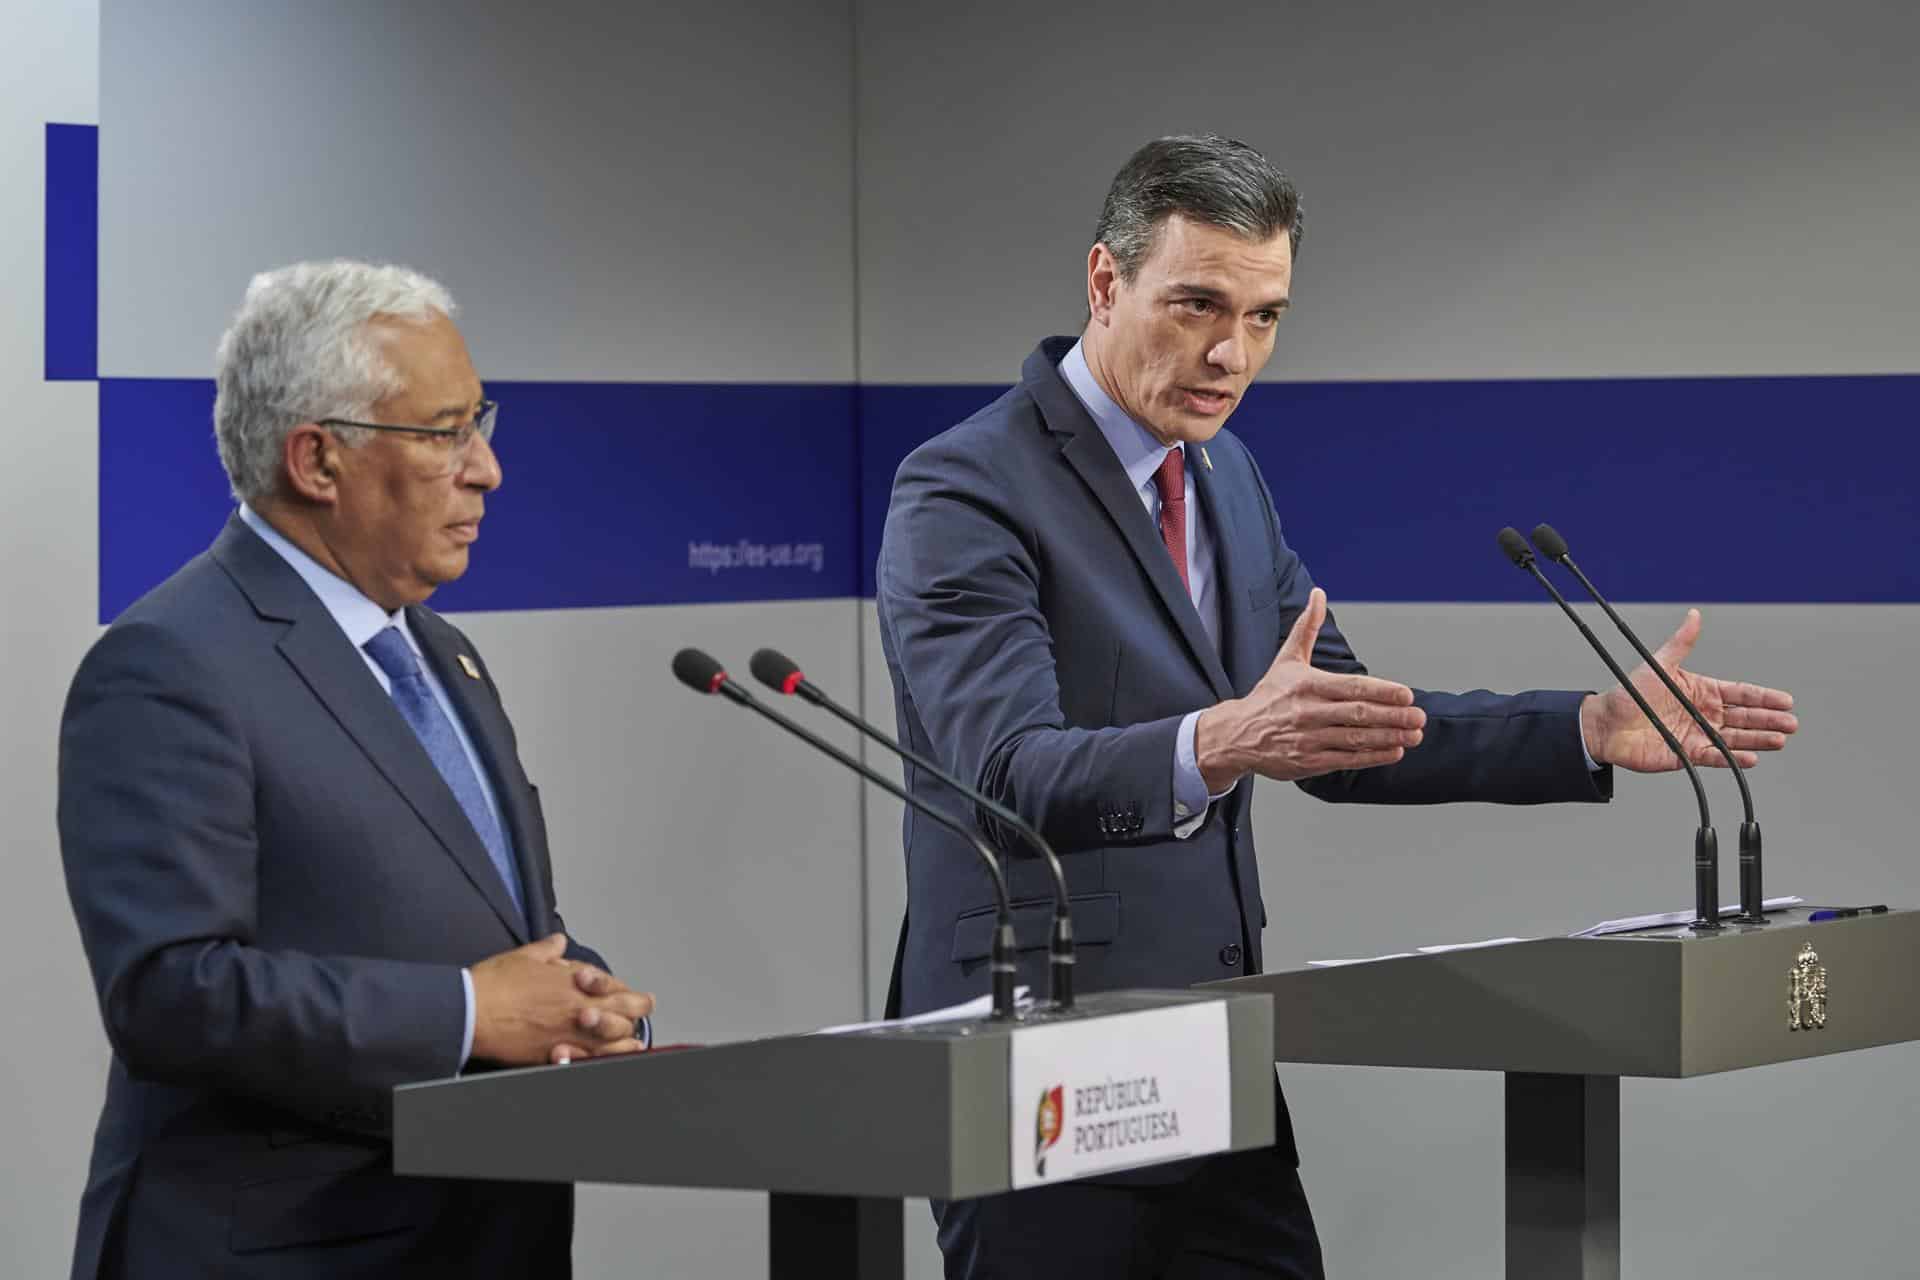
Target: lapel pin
{"points": [[1205, 459], [466, 665]]}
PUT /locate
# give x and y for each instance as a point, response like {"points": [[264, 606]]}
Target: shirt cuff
{"points": [[1191, 801], [1593, 766], [466, 1034]]}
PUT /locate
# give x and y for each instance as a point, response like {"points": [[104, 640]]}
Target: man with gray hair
{"points": [[1089, 613], [304, 858]]}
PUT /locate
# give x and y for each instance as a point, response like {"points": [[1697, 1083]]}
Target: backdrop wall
{"points": [[724, 269], [1619, 270]]}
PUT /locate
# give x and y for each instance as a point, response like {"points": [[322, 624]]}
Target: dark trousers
{"points": [[1240, 1215]]}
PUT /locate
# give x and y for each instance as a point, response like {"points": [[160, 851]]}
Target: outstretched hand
{"points": [[1300, 722], [1749, 717]]}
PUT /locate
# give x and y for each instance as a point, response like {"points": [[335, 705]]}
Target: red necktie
{"points": [[1171, 481]]}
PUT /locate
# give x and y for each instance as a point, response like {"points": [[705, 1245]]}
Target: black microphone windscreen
{"points": [[775, 670], [698, 671], [1515, 546], [1548, 539]]}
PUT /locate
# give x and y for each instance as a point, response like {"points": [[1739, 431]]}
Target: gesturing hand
{"points": [[531, 1005], [1750, 717], [1299, 722]]}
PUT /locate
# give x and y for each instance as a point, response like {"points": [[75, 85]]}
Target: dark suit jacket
{"points": [[1042, 646], [276, 892]]}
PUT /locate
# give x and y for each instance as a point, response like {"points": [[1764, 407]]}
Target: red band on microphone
{"points": [[791, 683], [719, 678]]}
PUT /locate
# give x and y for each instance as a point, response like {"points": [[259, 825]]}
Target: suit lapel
{"points": [[1089, 454], [486, 721], [327, 662]]}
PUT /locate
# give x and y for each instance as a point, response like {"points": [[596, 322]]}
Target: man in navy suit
{"points": [[1088, 610], [306, 863]]}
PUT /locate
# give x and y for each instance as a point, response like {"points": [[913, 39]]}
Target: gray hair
{"points": [[1210, 179], [299, 350]]}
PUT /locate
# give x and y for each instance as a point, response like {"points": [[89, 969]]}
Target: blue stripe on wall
{"points": [[1672, 489], [615, 494], [1692, 490], [1669, 489], [73, 252]]}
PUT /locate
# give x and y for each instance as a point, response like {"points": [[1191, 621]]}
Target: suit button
{"points": [[1230, 954]]}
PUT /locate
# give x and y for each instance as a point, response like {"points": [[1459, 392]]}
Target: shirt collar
{"points": [[357, 615], [1132, 443]]}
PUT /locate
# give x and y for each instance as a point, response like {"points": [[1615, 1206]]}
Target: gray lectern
{"points": [[839, 1127], [1565, 1018]]}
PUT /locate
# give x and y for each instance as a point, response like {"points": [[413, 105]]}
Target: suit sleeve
{"points": [[157, 835], [1521, 748], [960, 591]]}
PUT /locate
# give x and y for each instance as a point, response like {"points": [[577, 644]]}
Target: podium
{"points": [[838, 1127], [1566, 1018]]}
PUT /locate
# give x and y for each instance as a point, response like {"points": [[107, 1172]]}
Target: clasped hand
{"points": [[532, 1005]]}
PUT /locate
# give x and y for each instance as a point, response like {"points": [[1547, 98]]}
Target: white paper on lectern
{"points": [[1439, 947], [1627, 924], [1433, 950], [1663, 919], [1110, 1093], [976, 1008]]}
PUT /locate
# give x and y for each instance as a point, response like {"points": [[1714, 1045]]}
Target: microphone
{"points": [[701, 673], [1554, 547], [1706, 845], [780, 673]]}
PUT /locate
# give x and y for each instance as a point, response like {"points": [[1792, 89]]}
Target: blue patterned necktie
{"points": [[430, 724]]}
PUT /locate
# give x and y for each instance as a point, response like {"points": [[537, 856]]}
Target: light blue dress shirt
{"points": [[1141, 455], [360, 618]]}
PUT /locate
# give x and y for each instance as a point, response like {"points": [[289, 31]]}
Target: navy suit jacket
{"points": [[1042, 646], [276, 892]]}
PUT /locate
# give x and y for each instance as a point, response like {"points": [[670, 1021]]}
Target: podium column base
{"points": [[1563, 1177], [858, 1237]]}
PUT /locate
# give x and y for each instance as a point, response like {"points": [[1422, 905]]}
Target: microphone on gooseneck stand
{"points": [[1706, 845], [780, 673], [701, 673], [1554, 547]]}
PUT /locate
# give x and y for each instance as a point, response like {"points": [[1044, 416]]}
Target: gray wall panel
{"points": [[643, 192], [710, 859], [1495, 190], [647, 193], [698, 848], [596, 189], [54, 1064]]}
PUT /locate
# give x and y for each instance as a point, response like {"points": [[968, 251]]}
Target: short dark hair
{"points": [[1218, 181]]}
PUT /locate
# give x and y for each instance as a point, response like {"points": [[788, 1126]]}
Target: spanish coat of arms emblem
{"points": [[1807, 992]]}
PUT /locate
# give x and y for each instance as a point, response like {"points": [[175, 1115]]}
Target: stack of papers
{"points": [[978, 1008], [1423, 951], [1666, 919], [1627, 924]]}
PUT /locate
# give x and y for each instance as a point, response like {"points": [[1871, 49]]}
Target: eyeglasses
{"points": [[460, 438]]}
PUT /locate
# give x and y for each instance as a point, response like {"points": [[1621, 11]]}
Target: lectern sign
{"points": [[1110, 1093]]}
